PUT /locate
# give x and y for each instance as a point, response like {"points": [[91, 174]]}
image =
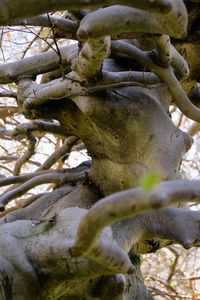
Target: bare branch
{"points": [[130, 203], [58, 178], [91, 57], [36, 181], [11, 158], [38, 64], [7, 93], [24, 177], [41, 126], [166, 54], [171, 224], [117, 19], [59, 153], [27, 155], [37, 7], [147, 78], [61, 24], [54, 90], [37, 94], [166, 75]]}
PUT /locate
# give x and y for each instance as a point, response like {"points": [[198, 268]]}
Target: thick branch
{"points": [[173, 224], [38, 64], [41, 126], [91, 57], [117, 19], [37, 94], [166, 75], [7, 93], [147, 78], [129, 203], [12, 10], [166, 54]]}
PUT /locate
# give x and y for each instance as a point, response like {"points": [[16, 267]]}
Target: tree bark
{"points": [[84, 239]]}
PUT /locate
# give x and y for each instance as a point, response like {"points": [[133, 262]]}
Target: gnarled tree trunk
{"points": [[84, 239]]}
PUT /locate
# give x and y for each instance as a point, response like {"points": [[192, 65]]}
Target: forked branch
{"points": [[130, 203]]}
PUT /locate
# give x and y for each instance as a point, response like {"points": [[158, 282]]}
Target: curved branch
{"points": [[130, 203], [38, 64], [173, 224], [166, 54], [12, 9], [117, 19], [57, 177], [166, 75], [23, 178], [27, 155], [30, 184], [91, 57]]}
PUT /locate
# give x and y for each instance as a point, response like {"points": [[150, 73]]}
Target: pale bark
{"points": [[90, 231]]}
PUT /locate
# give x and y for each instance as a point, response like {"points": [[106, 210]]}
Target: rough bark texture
{"points": [[84, 239]]}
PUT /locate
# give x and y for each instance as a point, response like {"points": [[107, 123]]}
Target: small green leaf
{"points": [[149, 181]]}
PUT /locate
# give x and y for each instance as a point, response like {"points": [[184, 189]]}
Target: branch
{"points": [[27, 154], [37, 94], [59, 153], [7, 93], [12, 9], [91, 57], [58, 178], [117, 19], [166, 75], [13, 158], [130, 203], [38, 64], [170, 224], [41, 126], [166, 54], [24, 177], [147, 78], [30, 184], [61, 24]]}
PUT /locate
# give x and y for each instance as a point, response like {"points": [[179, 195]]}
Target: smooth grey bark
{"points": [[82, 234], [12, 10]]}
